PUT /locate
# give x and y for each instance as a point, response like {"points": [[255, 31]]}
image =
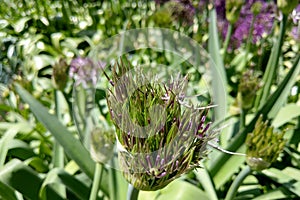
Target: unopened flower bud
{"points": [[233, 9], [262, 153], [162, 17], [256, 8], [247, 90], [60, 74], [287, 6]]}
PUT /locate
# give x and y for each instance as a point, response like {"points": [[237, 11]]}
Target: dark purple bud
{"points": [[148, 161], [157, 160], [161, 175]]}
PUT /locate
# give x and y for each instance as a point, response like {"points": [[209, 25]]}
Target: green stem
{"points": [[227, 39], [237, 182], [112, 182], [58, 151], [242, 118], [96, 181], [132, 193]]}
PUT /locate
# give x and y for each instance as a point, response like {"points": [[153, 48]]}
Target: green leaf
{"points": [[286, 114], [227, 170], [206, 182], [288, 84], [74, 185], [17, 175], [56, 38], [19, 149], [41, 61], [4, 143], [272, 66], [58, 176], [7, 192], [176, 190], [51, 178], [72, 146], [239, 60], [3, 23], [278, 193], [284, 178], [218, 70], [20, 24], [38, 164]]}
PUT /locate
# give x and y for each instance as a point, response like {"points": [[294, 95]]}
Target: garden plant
{"points": [[150, 100]]}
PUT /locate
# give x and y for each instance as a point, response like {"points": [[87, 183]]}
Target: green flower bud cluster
{"points": [[159, 139], [233, 9], [102, 144], [247, 89], [256, 8], [162, 17], [182, 11], [263, 146], [287, 6], [60, 74]]}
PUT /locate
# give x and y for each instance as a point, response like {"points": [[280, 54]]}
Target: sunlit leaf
{"points": [[176, 190]]}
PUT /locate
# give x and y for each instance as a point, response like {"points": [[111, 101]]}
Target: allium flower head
{"points": [[84, 71], [263, 145], [262, 25], [295, 15], [159, 138]]}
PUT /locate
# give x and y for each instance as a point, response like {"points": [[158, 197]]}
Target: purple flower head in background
{"points": [[262, 25], [84, 71], [295, 15]]}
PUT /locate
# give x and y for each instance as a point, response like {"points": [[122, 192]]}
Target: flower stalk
{"points": [[96, 181], [237, 183]]}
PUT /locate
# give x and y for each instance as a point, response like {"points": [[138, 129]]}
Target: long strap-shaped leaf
{"points": [[217, 70], [7, 192], [272, 66], [275, 100], [24, 179], [73, 148]]}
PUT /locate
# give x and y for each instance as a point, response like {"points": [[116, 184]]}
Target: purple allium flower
{"points": [[296, 15], [220, 6], [84, 71], [262, 25], [296, 33]]}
